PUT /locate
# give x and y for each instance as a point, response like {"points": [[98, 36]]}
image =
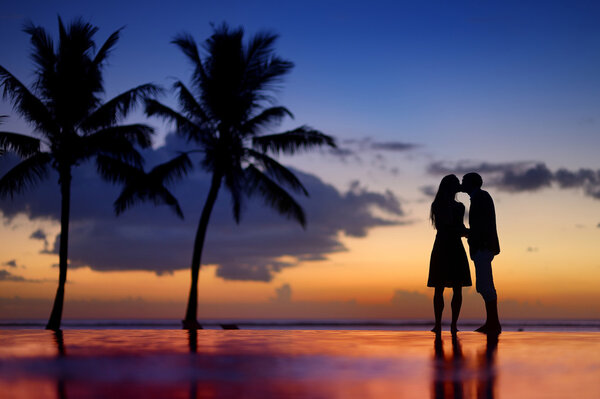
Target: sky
{"points": [[411, 91]]}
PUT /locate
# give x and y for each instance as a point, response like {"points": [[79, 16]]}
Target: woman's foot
{"points": [[436, 329], [453, 329]]}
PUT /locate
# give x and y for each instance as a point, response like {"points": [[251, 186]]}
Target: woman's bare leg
{"points": [[456, 305], [438, 308]]}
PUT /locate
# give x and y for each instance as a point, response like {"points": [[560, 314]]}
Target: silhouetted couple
{"points": [[449, 266]]}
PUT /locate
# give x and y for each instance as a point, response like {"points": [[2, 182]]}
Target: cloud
{"points": [[5, 275], [41, 235], [283, 294], [524, 176], [598, 225], [356, 149], [10, 263], [395, 146], [532, 249], [152, 238], [429, 191]]}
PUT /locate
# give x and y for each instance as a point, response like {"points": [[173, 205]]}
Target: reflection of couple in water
{"points": [[458, 376], [449, 266]]}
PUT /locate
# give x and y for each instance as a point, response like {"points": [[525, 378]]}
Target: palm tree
{"points": [[70, 122], [225, 114]]}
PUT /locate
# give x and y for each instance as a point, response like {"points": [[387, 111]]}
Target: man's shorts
{"points": [[484, 281]]}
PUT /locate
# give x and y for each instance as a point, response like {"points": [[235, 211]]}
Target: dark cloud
{"points": [[41, 235], [524, 176], [568, 179], [152, 238], [532, 249], [10, 263], [428, 190], [392, 146], [526, 179], [342, 152], [5, 275]]}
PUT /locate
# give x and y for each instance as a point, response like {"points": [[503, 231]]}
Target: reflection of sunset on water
{"points": [[296, 363]]}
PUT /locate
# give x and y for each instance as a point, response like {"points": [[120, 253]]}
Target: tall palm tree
{"points": [[226, 113], [71, 123]]}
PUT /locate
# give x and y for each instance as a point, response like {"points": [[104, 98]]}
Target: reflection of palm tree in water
{"points": [[61, 386], [193, 345], [448, 379]]}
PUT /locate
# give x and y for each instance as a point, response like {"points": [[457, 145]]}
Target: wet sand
{"points": [[297, 364]]}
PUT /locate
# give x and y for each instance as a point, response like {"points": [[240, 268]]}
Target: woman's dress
{"points": [[449, 266]]}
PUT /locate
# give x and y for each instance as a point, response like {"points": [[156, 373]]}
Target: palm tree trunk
{"points": [[65, 191], [191, 314]]}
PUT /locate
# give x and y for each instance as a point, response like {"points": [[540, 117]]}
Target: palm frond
{"points": [[188, 103], [116, 170], [145, 189], [274, 196], [188, 46], [185, 126], [25, 174], [107, 47], [140, 186], [279, 172], [135, 193], [31, 108], [137, 133], [78, 37], [266, 118], [119, 107], [260, 47], [163, 196], [22, 145], [292, 141], [173, 170], [43, 54]]}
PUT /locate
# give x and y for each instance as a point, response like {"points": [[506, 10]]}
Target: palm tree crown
{"points": [[227, 110], [225, 114], [71, 123]]}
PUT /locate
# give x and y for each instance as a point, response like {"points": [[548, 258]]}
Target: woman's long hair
{"points": [[446, 193]]}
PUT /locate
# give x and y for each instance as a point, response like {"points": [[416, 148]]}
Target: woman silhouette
{"points": [[448, 266]]}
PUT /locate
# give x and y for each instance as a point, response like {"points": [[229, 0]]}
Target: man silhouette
{"points": [[483, 246]]}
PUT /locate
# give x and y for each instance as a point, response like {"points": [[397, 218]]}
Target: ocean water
{"points": [[558, 325], [296, 363]]}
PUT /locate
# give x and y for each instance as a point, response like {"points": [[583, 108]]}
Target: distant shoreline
{"points": [[561, 325]]}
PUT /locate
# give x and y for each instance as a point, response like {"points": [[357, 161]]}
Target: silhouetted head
{"points": [[449, 186], [471, 181]]}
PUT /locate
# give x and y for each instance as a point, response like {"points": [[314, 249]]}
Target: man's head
{"points": [[471, 181]]}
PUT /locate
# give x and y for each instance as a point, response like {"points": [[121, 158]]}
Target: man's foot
{"points": [[436, 329], [453, 329], [495, 329]]}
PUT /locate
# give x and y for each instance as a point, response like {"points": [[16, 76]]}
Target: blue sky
{"points": [[518, 76]]}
